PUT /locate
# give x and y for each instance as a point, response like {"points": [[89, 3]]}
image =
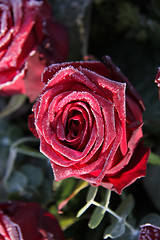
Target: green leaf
{"points": [[126, 207], [151, 184], [8, 134], [14, 104], [64, 188], [33, 173], [14, 132], [17, 182], [96, 217], [91, 193], [65, 222], [3, 192], [152, 218], [30, 152], [4, 151], [76, 15], [46, 192], [154, 159], [115, 230], [129, 235], [81, 185], [83, 209]]}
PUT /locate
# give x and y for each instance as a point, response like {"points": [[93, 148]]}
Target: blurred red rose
{"points": [[27, 221], [89, 122], [149, 232], [30, 39]]}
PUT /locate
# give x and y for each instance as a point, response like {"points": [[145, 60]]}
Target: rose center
{"points": [[74, 125]]}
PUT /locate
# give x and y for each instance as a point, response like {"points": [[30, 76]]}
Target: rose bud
{"points": [[27, 221], [30, 39], [89, 122]]}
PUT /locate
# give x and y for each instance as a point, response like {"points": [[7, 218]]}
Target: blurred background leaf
{"points": [[154, 159], [91, 193], [152, 185], [115, 230], [8, 134], [76, 15], [152, 218], [96, 217], [14, 104]]}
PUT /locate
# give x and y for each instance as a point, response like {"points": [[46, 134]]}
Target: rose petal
{"points": [[118, 98], [134, 170], [15, 86], [36, 223]]}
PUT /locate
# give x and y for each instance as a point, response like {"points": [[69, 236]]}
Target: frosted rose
{"points": [[30, 39], [89, 122]]}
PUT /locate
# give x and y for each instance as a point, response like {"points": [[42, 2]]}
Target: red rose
{"points": [[27, 221], [29, 40], [89, 122], [149, 232]]}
